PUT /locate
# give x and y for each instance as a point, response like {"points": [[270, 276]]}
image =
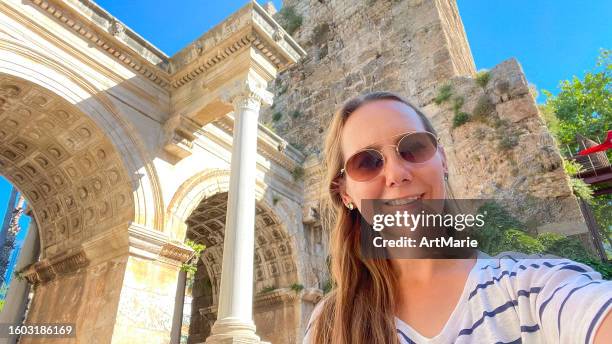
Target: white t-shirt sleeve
{"points": [[315, 313], [572, 300]]}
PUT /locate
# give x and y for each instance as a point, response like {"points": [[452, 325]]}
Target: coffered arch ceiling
{"points": [[67, 168], [275, 258]]}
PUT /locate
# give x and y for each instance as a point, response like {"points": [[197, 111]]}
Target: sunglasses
{"points": [[413, 147]]}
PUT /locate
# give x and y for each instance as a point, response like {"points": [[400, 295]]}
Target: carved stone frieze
{"points": [[106, 40], [46, 270]]}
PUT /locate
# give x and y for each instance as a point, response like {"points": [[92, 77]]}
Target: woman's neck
{"points": [[427, 271]]}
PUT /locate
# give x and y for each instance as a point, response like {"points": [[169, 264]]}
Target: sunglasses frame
{"points": [[396, 146]]}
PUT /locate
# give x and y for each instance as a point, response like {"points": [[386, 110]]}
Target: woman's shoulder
{"points": [[565, 298], [318, 308], [534, 262], [316, 312], [527, 270]]}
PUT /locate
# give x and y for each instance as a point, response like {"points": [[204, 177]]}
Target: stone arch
{"points": [[67, 169], [200, 206], [21, 62], [198, 187], [275, 259], [275, 266], [188, 196]]}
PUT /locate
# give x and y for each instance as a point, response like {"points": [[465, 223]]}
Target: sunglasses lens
{"points": [[364, 165], [417, 147]]}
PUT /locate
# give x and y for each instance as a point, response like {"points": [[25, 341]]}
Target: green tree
{"points": [[602, 210], [503, 232], [583, 106]]}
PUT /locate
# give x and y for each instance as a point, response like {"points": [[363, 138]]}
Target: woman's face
{"points": [[379, 122]]}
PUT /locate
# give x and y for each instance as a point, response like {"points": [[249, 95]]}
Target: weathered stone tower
{"points": [[417, 48]]}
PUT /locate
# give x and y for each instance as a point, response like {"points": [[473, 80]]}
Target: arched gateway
{"points": [[123, 153]]}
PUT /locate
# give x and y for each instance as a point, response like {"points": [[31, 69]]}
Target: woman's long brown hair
{"points": [[360, 308]]}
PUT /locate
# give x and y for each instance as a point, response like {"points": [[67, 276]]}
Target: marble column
{"points": [[179, 303], [234, 322]]}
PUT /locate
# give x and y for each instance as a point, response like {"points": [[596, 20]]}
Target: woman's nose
{"points": [[396, 170]]}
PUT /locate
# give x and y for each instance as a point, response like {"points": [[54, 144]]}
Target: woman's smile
{"points": [[404, 200]]}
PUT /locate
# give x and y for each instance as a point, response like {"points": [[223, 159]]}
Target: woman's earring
{"points": [[445, 177], [350, 206]]}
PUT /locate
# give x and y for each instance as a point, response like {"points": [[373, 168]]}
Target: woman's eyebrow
{"points": [[378, 144], [375, 145], [370, 146]]}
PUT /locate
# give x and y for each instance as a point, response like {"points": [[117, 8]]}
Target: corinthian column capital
{"points": [[247, 94]]}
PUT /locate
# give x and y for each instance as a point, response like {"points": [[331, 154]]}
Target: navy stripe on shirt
{"points": [[530, 329], [500, 309], [498, 262], [545, 303], [565, 300], [408, 340], [595, 319], [516, 341], [510, 274], [573, 267]]}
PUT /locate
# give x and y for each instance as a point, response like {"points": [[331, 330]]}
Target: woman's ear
{"points": [[346, 199]]}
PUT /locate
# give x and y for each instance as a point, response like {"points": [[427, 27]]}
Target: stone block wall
{"points": [[86, 299], [355, 46], [504, 151], [414, 48]]}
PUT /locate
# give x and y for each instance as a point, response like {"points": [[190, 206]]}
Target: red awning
{"points": [[607, 144]]}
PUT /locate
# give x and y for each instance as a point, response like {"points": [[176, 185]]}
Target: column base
{"points": [[233, 331]]}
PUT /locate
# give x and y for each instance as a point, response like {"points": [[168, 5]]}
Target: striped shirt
{"points": [[518, 298]]}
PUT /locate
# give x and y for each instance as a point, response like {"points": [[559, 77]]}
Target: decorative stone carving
{"points": [[206, 225], [313, 295], [247, 94], [199, 49], [176, 251], [179, 136], [263, 29], [152, 244], [311, 215], [47, 270], [278, 35], [67, 169], [74, 177], [79, 26], [116, 28]]}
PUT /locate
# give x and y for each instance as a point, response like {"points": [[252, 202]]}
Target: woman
{"points": [[370, 154]]}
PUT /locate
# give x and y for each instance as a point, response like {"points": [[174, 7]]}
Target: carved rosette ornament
{"points": [[278, 34], [115, 28]]}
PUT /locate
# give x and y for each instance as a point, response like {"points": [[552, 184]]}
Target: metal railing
{"points": [[591, 163]]}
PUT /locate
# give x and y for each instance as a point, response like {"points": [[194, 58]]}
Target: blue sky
{"points": [[5, 193], [553, 40]]}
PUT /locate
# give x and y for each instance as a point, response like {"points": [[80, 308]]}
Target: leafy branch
{"points": [[190, 266]]}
